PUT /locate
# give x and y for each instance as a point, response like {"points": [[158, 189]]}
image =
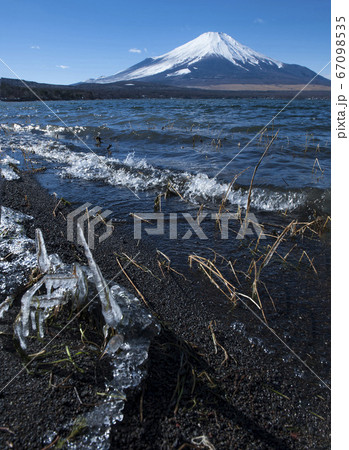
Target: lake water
{"points": [[182, 142]]}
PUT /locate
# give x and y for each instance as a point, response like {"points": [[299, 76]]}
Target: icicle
{"points": [[25, 308], [41, 319], [46, 263], [82, 286], [5, 305], [60, 287], [36, 308], [18, 330], [114, 344], [33, 318], [110, 309], [43, 261]]}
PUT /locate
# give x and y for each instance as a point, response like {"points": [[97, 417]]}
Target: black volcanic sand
{"points": [[239, 397]]}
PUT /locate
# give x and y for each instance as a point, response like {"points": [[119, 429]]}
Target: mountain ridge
{"points": [[214, 58]]}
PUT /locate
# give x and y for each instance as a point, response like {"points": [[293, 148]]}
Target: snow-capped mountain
{"points": [[214, 59]]}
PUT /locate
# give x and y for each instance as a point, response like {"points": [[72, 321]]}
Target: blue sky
{"points": [[70, 41]]}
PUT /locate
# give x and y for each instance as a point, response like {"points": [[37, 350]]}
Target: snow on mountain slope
{"points": [[207, 44], [211, 58]]}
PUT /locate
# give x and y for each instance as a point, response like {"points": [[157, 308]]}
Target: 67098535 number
{"points": [[340, 47]]}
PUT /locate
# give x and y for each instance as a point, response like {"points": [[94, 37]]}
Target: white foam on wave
{"points": [[137, 174], [207, 188], [132, 161], [47, 130]]}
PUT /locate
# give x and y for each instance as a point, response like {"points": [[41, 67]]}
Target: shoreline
{"points": [[12, 90], [244, 398]]}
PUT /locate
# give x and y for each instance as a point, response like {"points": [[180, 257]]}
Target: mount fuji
{"points": [[211, 60]]}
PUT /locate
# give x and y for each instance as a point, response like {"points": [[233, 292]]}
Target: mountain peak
{"points": [[210, 59], [217, 44]]}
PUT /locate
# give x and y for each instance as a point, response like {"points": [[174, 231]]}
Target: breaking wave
{"points": [[137, 174]]}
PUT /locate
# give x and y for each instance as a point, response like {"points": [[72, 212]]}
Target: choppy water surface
{"points": [[183, 142]]}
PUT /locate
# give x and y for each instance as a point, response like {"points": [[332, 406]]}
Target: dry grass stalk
{"points": [[157, 203], [275, 246], [328, 219], [170, 188], [213, 274], [140, 218], [316, 163], [162, 272], [215, 343], [271, 298], [310, 261], [231, 265], [318, 223], [254, 173], [211, 271], [228, 262], [255, 293], [204, 374], [225, 197], [165, 256], [54, 211], [199, 214], [141, 407], [139, 266], [213, 338], [261, 135], [168, 267], [257, 243], [286, 256], [132, 283]]}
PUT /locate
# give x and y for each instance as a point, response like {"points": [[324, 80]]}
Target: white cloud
{"points": [[135, 50], [35, 47], [258, 20], [62, 67]]}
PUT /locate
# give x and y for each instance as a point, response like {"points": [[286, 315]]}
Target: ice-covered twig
{"points": [[60, 287], [110, 308], [5, 305], [44, 264], [36, 308]]}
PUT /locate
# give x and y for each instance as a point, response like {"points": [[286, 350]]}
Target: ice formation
{"points": [[60, 285], [131, 326], [17, 255], [7, 168], [5, 305], [110, 309]]}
